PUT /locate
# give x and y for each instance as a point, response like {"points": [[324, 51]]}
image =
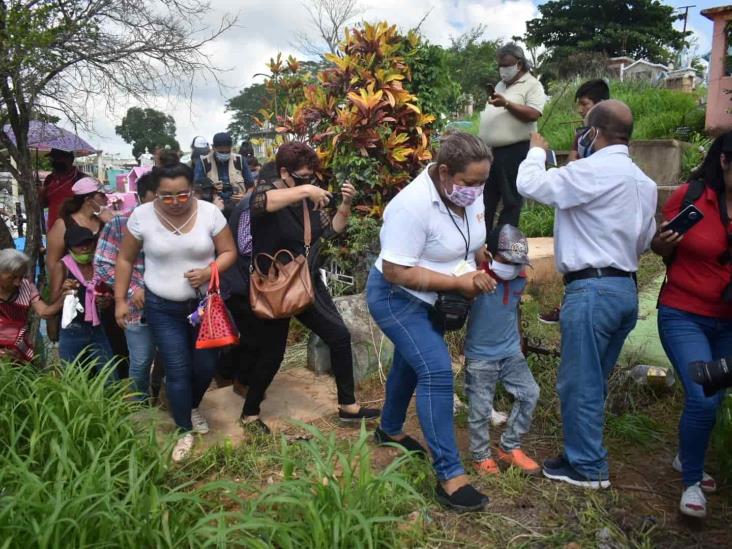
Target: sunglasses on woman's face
{"points": [[302, 179], [178, 198]]}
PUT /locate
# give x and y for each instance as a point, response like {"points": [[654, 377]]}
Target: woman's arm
{"points": [[54, 252], [225, 257], [128, 252], [278, 199], [424, 280], [340, 220], [43, 310], [665, 242]]}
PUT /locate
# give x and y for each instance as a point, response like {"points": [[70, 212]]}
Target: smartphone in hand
{"points": [[551, 159], [685, 220], [490, 89]]}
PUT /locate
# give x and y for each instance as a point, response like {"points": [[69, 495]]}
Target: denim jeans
{"points": [[687, 337], [188, 371], [597, 316], [481, 378], [421, 362], [141, 347], [81, 337]]}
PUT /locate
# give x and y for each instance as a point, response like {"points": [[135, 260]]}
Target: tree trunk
{"points": [[6, 238]]}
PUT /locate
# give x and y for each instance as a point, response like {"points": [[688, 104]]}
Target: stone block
{"points": [[660, 159], [370, 347]]}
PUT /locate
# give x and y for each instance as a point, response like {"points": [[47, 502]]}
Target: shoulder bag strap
{"points": [[306, 224]]}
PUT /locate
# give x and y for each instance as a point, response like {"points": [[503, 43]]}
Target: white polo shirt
{"points": [[498, 127], [418, 232]]}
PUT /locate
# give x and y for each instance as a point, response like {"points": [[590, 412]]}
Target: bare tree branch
{"points": [[328, 19]]}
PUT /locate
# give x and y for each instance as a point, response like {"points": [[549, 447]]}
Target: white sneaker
{"points": [[183, 447], [200, 425], [708, 484], [693, 503]]}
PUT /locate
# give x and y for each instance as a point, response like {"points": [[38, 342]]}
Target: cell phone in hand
{"points": [[490, 89], [685, 220], [551, 159], [334, 199]]}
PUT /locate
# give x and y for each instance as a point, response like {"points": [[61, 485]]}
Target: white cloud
{"points": [[266, 27]]}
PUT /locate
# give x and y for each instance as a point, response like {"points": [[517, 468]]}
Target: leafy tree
{"points": [[147, 129], [636, 28], [472, 62], [58, 56], [432, 79], [245, 109]]}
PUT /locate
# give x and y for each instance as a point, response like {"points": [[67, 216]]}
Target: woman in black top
{"points": [[277, 223]]}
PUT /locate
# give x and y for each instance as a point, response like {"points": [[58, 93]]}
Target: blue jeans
{"points": [[687, 337], [188, 371], [81, 338], [481, 378], [597, 316], [421, 362], [141, 346]]}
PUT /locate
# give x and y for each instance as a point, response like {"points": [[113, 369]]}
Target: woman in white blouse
{"points": [[180, 236]]}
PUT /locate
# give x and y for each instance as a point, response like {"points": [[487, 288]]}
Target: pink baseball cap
{"points": [[87, 185]]}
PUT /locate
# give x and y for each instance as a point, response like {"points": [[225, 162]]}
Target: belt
{"points": [[598, 273]]}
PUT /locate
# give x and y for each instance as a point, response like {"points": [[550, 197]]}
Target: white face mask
{"points": [[508, 73], [504, 271]]}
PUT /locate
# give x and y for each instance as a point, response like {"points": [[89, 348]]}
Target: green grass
{"points": [[634, 428], [658, 112], [722, 439], [537, 220], [77, 470]]}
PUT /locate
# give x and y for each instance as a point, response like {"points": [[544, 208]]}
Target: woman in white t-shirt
{"points": [[180, 236], [432, 230]]}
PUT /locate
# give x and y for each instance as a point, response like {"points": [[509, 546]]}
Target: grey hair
{"points": [[459, 149], [513, 49], [13, 261]]}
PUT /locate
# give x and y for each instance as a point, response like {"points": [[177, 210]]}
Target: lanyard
{"points": [[467, 223]]}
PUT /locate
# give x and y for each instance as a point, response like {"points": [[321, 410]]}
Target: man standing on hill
{"points": [[506, 125], [604, 221]]}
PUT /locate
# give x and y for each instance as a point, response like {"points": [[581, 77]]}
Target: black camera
{"points": [[712, 376]]}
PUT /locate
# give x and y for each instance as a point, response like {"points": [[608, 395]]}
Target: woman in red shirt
{"points": [[694, 321]]}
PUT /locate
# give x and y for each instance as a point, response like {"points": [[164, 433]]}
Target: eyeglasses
{"points": [[302, 179], [178, 198]]}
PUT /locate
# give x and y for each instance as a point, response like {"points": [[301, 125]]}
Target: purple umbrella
{"points": [[44, 136]]}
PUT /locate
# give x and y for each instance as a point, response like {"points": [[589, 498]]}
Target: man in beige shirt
{"points": [[506, 125]]}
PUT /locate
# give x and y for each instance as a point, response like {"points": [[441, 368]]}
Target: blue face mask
{"points": [[584, 149], [222, 157]]}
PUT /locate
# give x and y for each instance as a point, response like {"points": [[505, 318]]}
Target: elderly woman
{"points": [[506, 125], [181, 237], [432, 231], [277, 222], [18, 296]]}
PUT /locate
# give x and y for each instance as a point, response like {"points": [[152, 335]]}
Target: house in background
{"points": [[719, 100]]}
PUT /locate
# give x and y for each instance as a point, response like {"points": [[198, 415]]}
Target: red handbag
{"points": [[217, 327]]}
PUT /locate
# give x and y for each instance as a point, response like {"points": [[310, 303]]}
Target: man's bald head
{"points": [[614, 120]]}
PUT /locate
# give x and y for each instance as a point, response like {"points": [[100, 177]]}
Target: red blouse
{"points": [[696, 279]]}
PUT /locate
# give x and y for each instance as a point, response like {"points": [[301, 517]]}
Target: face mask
{"points": [[83, 258], [222, 157], [59, 166], [464, 196], [583, 149], [504, 271], [508, 73]]}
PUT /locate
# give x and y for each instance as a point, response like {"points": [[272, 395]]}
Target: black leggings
{"points": [[501, 186], [322, 318]]}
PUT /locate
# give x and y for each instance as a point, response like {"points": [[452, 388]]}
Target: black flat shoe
{"points": [[408, 443], [363, 413], [256, 427], [463, 500]]}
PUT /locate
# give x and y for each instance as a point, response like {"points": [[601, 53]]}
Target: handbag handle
{"points": [[213, 283], [273, 260], [306, 224]]}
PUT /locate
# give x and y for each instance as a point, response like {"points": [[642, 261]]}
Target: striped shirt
{"points": [[16, 308], [105, 258], [14, 336]]}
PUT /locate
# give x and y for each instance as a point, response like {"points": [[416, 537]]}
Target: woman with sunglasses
{"points": [[695, 308], [180, 237], [277, 223]]}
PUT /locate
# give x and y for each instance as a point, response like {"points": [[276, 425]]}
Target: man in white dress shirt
{"points": [[604, 221]]}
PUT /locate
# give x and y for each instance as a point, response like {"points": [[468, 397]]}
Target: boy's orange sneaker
{"points": [[517, 458], [486, 467]]}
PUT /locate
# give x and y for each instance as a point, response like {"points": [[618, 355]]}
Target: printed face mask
{"points": [[508, 73], [504, 271], [583, 148], [222, 157], [464, 196], [83, 258]]}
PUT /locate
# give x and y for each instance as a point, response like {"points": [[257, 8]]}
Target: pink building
{"points": [[719, 101]]}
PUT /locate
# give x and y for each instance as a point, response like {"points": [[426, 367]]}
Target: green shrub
{"points": [[537, 220], [722, 438]]}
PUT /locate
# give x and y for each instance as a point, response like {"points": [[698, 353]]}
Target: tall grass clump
{"points": [[722, 438], [658, 112]]}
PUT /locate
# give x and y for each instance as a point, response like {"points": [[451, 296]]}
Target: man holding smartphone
{"points": [[514, 105], [605, 207]]}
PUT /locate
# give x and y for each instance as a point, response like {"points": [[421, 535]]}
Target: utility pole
{"points": [[686, 13]]}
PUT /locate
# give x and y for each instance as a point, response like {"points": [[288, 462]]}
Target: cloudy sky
{"points": [[266, 27]]}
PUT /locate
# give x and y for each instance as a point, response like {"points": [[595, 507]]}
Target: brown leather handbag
{"points": [[287, 288]]}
